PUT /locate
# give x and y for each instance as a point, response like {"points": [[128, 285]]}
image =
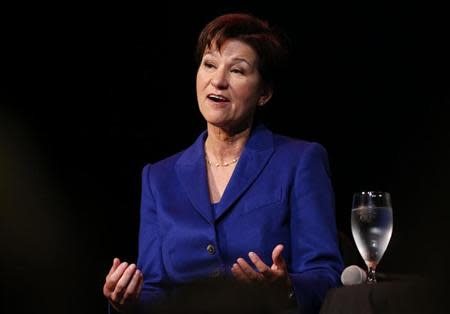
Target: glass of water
{"points": [[372, 227]]}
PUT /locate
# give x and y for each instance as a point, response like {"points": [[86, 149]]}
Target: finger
{"points": [[122, 284], [248, 270], [112, 280], [277, 258], [239, 274], [132, 288], [116, 263], [260, 265], [140, 284]]}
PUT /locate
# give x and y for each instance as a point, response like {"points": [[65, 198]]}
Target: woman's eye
{"points": [[239, 71], [208, 65]]}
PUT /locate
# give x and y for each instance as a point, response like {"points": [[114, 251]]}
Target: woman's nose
{"points": [[219, 79]]}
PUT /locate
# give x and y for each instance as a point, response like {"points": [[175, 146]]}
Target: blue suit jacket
{"points": [[280, 192]]}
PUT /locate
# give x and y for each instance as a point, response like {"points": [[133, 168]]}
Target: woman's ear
{"points": [[265, 96]]}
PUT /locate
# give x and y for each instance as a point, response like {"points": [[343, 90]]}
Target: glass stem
{"points": [[371, 278]]}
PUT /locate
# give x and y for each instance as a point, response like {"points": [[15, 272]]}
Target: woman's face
{"points": [[229, 86]]}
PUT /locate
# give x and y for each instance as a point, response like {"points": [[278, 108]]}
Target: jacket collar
{"points": [[191, 171]]}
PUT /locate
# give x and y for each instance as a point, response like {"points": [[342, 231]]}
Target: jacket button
{"points": [[216, 274], [211, 249]]}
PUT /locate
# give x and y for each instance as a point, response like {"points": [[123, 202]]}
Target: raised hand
{"points": [[123, 285], [276, 274]]}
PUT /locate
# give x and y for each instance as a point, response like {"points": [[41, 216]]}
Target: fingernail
{"points": [[252, 254]]}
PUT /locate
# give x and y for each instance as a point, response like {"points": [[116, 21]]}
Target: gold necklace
{"points": [[225, 164]]}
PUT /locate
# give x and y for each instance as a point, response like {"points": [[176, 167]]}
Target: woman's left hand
{"points": [[275, 274]]}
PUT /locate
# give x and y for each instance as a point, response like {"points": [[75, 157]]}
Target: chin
{"points": [[215, 118], [218, 124]]}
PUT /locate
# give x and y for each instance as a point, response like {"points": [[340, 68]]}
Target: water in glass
{"points": [[371, 222]]}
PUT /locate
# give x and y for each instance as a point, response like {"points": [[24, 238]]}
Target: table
{"points": [[400, 294]]}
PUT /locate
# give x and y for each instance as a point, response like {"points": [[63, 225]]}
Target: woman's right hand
{"points": [[123, 285]]}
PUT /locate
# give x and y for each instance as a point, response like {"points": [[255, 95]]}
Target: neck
{"points": [[222, 146]]}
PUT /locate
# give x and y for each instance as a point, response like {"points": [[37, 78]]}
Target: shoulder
{"points": [[163, 166], [299, 148], [187, 156], [263, 138]]}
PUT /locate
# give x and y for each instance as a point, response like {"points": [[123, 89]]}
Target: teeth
{"points": [[217, 97]]}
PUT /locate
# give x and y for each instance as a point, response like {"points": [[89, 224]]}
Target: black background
{"points": [[89, 95]]}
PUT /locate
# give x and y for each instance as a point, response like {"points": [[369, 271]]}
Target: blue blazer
{"points": [[280, 192]]}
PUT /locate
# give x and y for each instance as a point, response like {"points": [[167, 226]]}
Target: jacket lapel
{"points": [[255, 156], [191, 171]]}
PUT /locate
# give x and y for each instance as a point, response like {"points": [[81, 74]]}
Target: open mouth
{"points": [[217, 98]]}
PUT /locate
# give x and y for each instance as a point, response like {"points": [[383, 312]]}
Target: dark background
{"points": [[89, 95]]}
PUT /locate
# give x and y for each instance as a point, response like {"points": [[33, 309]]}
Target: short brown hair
{"points": [[269, 43]]}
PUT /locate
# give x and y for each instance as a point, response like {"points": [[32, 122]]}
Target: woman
{"points": [[241, 201]]}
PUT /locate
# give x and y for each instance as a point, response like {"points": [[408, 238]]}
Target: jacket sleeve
{"points": [[149, 256], [316, 262]]}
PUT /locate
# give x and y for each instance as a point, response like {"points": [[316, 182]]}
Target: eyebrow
{"points": [[241, 60], [235, 59]]}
